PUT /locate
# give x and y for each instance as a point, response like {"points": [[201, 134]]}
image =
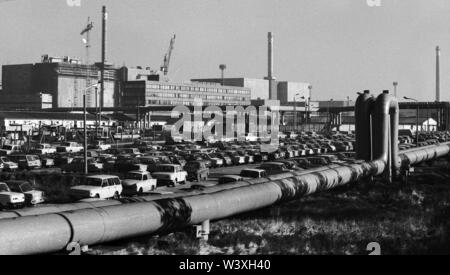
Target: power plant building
{"points": [[56, 83]]}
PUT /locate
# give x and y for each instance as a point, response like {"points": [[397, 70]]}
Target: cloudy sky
{"points": [[340, 46]]}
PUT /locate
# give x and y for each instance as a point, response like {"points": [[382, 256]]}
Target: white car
{"points": [[98, 186], [69, 147], [9, 149], [32, 196], [138, 182], [171, 174], [7, 165], [10, 199], [101, 145], [45, 148]]}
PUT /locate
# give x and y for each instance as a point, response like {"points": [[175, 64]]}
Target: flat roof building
{"points": [[260, 87], [148, 93], [63, 80]]}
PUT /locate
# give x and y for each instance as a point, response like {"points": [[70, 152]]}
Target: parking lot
{"points": [[54, 173]]}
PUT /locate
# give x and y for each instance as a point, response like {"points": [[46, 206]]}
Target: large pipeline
{"points": [[53, 232]]}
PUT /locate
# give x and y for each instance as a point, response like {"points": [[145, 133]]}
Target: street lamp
{"points": [[395, 88], [417, 118], [328, 110], [84, 127], [295, 112]]}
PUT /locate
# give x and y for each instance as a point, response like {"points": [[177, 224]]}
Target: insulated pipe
{"points": [[363, 109], [385, 133], [418, 155], [53, 232]]}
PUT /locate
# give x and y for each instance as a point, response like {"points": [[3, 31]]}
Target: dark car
{"points": [[302, 163], [227, 161], [77, 165], [253, 173], [229, 179], [26, 161], [196, 170], [273, 168]]}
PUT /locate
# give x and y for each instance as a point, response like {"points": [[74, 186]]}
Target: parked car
{"points": [[77, 165], [47, 161], [229, 179], [27, 161], [44, 149], [227, 161], [9, 199], [215, 161], [70, 147], [151, 162], [138, 182], [235, 157], [9, 149], [7, 165], [253, 173], [171, 174], [132, 151], [178, 160], [125, 164], [98, 186], [100, 144], [302, 163], [196, 170], [317, 162], [273, 168], [32, 196]]}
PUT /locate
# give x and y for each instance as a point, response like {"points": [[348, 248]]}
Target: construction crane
{"points": [[86, 31], [165, 66]]}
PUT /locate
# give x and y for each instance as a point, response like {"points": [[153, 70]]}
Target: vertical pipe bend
{"points": [[363, 109], [385, 133]]}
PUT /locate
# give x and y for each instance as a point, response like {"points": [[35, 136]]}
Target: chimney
{"points": [[438, 88], [270, 77]]}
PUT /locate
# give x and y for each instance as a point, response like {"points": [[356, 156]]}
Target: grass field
{"points": [[403, 219]]}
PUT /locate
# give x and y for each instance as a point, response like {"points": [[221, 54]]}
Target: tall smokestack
{"points": [[102, 75], [270, 77], [438, 88]]}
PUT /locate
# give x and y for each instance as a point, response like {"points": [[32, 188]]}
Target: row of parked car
{"points": [[16, 193]]}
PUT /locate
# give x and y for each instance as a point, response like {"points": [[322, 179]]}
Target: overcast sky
{"points": [[340, 46]]}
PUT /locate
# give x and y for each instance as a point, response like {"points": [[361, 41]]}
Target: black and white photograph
{"points": [[211, 131]]}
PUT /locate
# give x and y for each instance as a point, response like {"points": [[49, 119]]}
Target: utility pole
{"points": [[102, 72], [295, 114], [85, 134], [395, 88], [438, 84], [417, 118]]}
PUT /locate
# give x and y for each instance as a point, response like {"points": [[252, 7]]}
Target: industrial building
{"points": [[148, 93], [56, 83], [285, 90]]}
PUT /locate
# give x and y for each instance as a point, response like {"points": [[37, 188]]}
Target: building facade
{"points": [[149, 93], [260, 87], [62, 80], [25, 121]]}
